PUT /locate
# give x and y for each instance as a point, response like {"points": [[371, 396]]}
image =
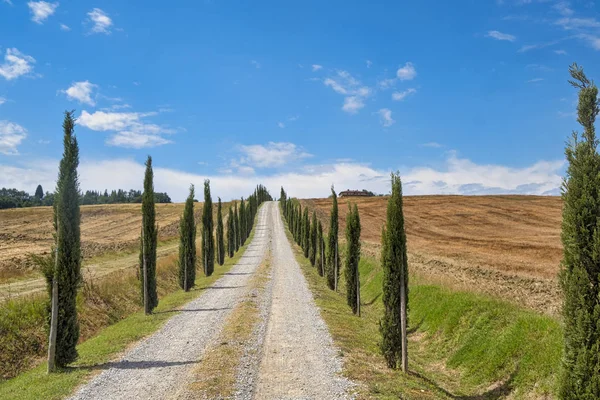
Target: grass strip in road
{"points": [[215, 377], [461, 345], [108, 344]]}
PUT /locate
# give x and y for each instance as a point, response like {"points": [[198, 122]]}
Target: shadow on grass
{"points": [[501, 391]]}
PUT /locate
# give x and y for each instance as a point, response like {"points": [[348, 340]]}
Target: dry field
{"points": [[109, 235], [505, 246]]}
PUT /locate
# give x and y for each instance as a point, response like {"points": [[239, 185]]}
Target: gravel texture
{"points": [[299, 359], [158, 366]]}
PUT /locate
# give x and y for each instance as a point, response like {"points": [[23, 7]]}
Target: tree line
{"points": [[13, 198], [62, 269], [324, 254]]}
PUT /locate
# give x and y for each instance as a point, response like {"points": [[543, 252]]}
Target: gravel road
{"points": [[299, 358], [159, 365]]}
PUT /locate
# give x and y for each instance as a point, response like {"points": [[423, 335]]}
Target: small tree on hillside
{"points": [[220, 237], [353, 259], [230, 234], [65, 276], [580, 272], [149, 238], [313, 240], [208, 243], [394, 262], [332, 269], [39, 192], [187, 244], [321, 253]]}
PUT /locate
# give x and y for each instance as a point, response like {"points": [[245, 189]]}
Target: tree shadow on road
{"points": [[192, 310], [124, 364]]}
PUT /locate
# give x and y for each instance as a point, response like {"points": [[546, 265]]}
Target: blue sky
{"points": [[463, 97]]}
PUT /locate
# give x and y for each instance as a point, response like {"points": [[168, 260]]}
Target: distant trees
{"points": [[321, 253], [65, 276], [230, 234], [580, 272], [313, 240], [353, 259], [148, 242], [187, 244], [220, 238], [394, 262], [305, 232], [332, 270], [208, 244]]}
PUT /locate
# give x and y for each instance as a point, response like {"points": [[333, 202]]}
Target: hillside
{"points": [[505, 246]]}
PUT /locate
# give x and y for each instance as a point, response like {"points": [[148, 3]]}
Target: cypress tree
{"points": [[208, 243], [299, 225], [394, 262], [220, 238], [242, 217], [580, 271], [313, 240], [39, 192], [236, 225], [321, 248], [332, 269], [353, 259], [64, 279], [230, 234], [306, 231], [148, 241], [187, 245]]}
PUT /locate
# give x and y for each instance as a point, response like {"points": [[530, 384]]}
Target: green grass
{"points": [[107, 345], [462, 345]]}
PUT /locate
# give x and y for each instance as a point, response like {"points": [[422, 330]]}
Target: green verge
{"points": [[108, 344], [461, 345]]}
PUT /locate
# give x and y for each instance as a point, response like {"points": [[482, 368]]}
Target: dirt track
{"points": [[506, 246]]}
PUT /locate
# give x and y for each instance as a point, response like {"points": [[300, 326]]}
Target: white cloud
{"points": [[578, 23], [64, 27], [560, 52], [11, 135], [593, 41], [432, 144], [274, 154], [316, 67], [337, 87], [501, 36], [369, 63], [563, 8], [455, 176], [16, 64], [385, 117], [82, 92], [255, 63], [8, 2], [352, 104], [386, 83], [534, 80], [136, 140], [399, 96], [281, 124], [407, 72], [41, 10], [101, 22], [2, 100]]}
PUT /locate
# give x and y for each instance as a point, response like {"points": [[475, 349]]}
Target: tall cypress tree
{"points": [[321, 247], [65, 278], [580, 272], [236, 225], [394, 262], [242, 217], [230, 234], [149, 238], [332, 270], [313, 240], [306, 233], [187, 244], [220, 238], [208, 243], [353, 258]]}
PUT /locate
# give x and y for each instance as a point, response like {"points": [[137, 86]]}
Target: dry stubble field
{"points": [[504, 246]]}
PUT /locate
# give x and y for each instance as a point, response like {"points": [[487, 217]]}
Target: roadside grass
{"points": [[109, 341], [461, 345], [215, 377]]}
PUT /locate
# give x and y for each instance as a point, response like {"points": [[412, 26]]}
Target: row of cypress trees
{"points": [[62, 269], [394, 261]]}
